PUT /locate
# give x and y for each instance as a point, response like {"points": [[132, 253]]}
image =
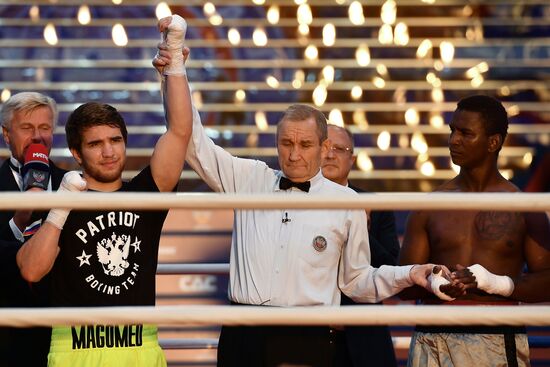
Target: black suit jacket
{"points": [[16, 292], [8, 183], [372, 345], [384, 244]]}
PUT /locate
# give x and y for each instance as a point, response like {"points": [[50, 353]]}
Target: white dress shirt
{"points": [[274, 261]]}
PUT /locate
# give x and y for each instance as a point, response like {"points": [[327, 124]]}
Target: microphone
{"points": [[36, 170], [286, 219]]}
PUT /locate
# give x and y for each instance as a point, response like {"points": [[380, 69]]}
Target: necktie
{"points": [[285, 184], [14, 167]]}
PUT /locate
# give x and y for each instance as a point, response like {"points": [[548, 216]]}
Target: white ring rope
{"points": [[220, 269], [193, 343], [254, 315], [381, 201], [399, 342]]}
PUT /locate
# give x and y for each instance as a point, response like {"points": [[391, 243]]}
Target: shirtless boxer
{"points": [[494, 245]]}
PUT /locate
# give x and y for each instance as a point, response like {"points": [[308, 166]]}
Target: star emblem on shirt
{"points": [[136, 247], [84, 259]]}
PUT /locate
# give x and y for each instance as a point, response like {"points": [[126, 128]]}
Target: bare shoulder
{"points": [[422, 217], [448, 186], [506, 186]]}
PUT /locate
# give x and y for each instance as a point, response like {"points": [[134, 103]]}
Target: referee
{"points": [[291, 257]]}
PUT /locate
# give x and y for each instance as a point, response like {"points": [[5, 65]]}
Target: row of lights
{"points": [[389, 33], [260, 39], [416, 141], [398, 35], [304, 15]]}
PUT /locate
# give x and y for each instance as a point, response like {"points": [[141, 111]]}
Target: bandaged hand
{"points": [[491, 283], [173, 29], [72, 182], [436, 280], [420, 273]]}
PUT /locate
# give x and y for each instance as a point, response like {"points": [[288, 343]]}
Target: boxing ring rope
{"points": [[399, 342], [197, 315], [253, 315], [529, 202], [212, 269]]}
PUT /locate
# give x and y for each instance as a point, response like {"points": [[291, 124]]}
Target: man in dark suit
{"points": [[362, 345], [27, 118]]}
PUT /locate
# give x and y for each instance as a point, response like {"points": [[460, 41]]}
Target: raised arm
{"points": [[169, 154], [218, 168]]}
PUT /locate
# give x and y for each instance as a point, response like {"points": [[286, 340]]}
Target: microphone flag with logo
{"points": [[36, 170]]}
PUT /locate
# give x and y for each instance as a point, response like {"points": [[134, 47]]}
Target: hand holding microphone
{"points": [[35, 175], [72, 182], [36, 170]]}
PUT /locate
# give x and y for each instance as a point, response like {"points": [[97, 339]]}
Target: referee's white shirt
{"points": [[275, 263]]}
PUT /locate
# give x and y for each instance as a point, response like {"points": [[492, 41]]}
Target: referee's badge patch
{"points": [[319, 243]]}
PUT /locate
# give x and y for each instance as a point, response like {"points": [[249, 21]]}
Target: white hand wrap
{"points": [[491, 283], [72, 182], [435, 280], [174, 37]]}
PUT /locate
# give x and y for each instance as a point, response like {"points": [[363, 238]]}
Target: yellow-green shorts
{"points": [[105, 346]]}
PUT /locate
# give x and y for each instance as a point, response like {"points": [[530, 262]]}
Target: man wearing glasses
{"points": [[362, 345]]}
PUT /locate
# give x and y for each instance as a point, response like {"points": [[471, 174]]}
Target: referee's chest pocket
{"points": [[319, 247]]}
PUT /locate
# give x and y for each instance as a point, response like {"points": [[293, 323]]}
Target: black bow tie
{"points": [[285, 184]]}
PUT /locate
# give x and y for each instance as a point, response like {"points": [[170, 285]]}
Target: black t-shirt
{"points": [[109, 258]]}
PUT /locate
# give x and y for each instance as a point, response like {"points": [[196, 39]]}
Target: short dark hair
{"points": [[89, 115], [301, 112], [492, 112]]}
